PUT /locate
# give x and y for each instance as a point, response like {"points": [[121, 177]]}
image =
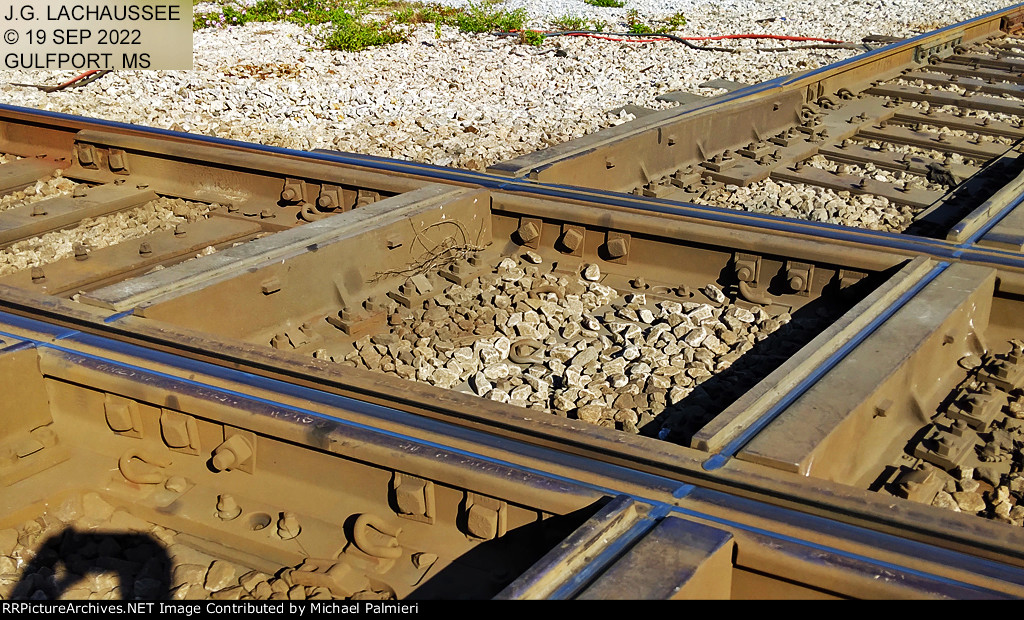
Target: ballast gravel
{"points": [[468, 100]]}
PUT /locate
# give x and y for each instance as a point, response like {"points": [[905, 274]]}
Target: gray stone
{"points": [[590, 413], [945, 500], [220, 575], [969, 501], [714, 293]]}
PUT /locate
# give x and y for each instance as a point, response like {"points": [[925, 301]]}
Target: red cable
{"points": [[780, 37], [75, 79]]}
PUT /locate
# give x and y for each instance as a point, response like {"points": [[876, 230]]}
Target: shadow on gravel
{"points": [[64, 562], [678, 423]]}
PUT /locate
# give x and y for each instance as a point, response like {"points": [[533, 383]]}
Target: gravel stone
{"points": [[451, 98], [969, 501], [945, 500]]}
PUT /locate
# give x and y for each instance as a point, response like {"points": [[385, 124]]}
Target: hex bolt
{"points": [[179, 229], [145, 248], [639, 283], [1016, 350], [38, 275], [326, 201], [288, 526], [85, 155], [797, 282], [80, 252], [289, 194], [227, 507], [38, 209], [572, 239], [745, 273], [267, 214], [78, 192], [617, 247], [233, 451], [528, 232], [971, 402]]}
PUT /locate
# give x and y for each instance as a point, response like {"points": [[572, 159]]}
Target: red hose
{"points": [[75, 79], [780, 37]]}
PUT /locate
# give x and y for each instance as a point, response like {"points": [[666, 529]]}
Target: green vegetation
{"points": [[358, 24], [615, 4], [676, 22], [531, 37], [569, 22], [481, 19], [634, 25], [297, 11], [354, 35]]}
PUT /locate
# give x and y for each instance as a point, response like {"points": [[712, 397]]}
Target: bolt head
{"points": [[572, 239], [617, 247], [528, 232]]}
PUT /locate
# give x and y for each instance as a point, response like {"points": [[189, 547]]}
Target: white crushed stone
{"points": [[100, 232], [466, 100]]}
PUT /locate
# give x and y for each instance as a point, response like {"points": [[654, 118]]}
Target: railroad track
{"points": [[328, 375]]}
